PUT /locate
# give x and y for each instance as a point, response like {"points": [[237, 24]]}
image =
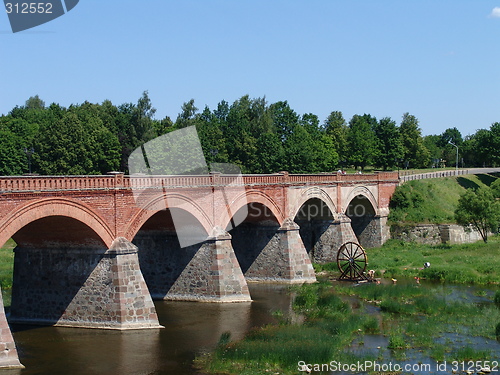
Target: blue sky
{"points": [[437, 59]]}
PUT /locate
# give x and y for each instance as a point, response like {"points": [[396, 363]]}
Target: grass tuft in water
{"points": [[468, 353], [397, 341], [397, 307]]}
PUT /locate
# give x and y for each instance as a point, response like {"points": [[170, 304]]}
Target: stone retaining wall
{"points": [[434, 234]]}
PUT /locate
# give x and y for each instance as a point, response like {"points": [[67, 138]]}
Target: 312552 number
{"points": [[27, 8]]}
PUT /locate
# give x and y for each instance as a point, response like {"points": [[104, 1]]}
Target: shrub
{"points": [[497, 297], [402, 197]]}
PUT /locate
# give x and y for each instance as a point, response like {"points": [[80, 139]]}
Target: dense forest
{"points": [[259, 137]]}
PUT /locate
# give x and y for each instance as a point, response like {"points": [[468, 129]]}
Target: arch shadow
{"points": [[315, 219], [252, 236], [162, 258], [54, 258]]}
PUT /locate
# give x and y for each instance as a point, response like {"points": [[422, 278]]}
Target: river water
{"points": [[191, 328], [194, 328]]}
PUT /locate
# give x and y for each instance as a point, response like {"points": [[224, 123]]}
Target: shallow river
{"points": [[193, 328]]}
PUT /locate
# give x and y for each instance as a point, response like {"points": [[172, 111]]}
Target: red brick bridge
{"points": [[90, 253]]}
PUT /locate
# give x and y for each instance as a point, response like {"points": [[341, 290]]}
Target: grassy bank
{"points": [[434, 200], [6, 270], [7, 264], [475, 263]]}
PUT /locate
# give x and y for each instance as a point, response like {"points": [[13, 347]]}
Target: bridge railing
{"points": [[422, 176], [137, 182], [44, 183], [119, 181]]}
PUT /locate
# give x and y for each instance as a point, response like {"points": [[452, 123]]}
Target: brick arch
{"points": [[310, 193], [361, 190], [55, 207], [160, 203], [252, 196]]}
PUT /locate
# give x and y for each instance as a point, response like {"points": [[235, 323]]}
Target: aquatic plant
{"points": [[397, 341], [468, 353]]}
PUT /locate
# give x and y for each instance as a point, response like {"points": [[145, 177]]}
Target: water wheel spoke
{"points": [[359, 255], [344, 272], [345, 266], [350, 250], [359, 274], [357, 267]]}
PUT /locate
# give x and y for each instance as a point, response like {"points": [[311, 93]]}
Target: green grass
{"points": [[468, 353], [7, 264], [475, 263], [497, 297], [434, 200], [330, 326], [6, 270], [413, 317]]}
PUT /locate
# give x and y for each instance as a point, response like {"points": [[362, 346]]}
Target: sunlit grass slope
{"points": [[434, 200]]}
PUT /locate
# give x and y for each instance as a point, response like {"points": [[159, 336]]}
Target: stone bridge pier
{"points": [[88, 287]]}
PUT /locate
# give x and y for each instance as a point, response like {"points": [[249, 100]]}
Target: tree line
{"points": [[259, 137]]}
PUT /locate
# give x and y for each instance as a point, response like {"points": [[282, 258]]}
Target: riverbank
{"points": [[474, 263], [432, 321], [407, 324]]}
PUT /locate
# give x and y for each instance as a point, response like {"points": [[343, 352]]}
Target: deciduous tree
{"points": [[361, 141], [480, 209], [390, 148], [414, 151]]}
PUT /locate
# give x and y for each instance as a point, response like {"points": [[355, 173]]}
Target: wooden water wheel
{"points": [[352, 261]]}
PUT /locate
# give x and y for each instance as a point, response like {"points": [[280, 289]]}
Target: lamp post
{"points": [[456, 165], [29, 152]]}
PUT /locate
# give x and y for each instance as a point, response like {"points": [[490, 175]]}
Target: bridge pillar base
{"points": [[375, 232], [8, 352], [85, 288], [212, 275], [333, 235], [284, 259]]}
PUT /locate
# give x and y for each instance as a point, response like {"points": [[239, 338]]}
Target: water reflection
{"points": [[190, 328]]}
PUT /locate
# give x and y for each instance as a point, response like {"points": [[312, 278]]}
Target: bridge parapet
{"points": [[120, 181], [52, 183]]}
